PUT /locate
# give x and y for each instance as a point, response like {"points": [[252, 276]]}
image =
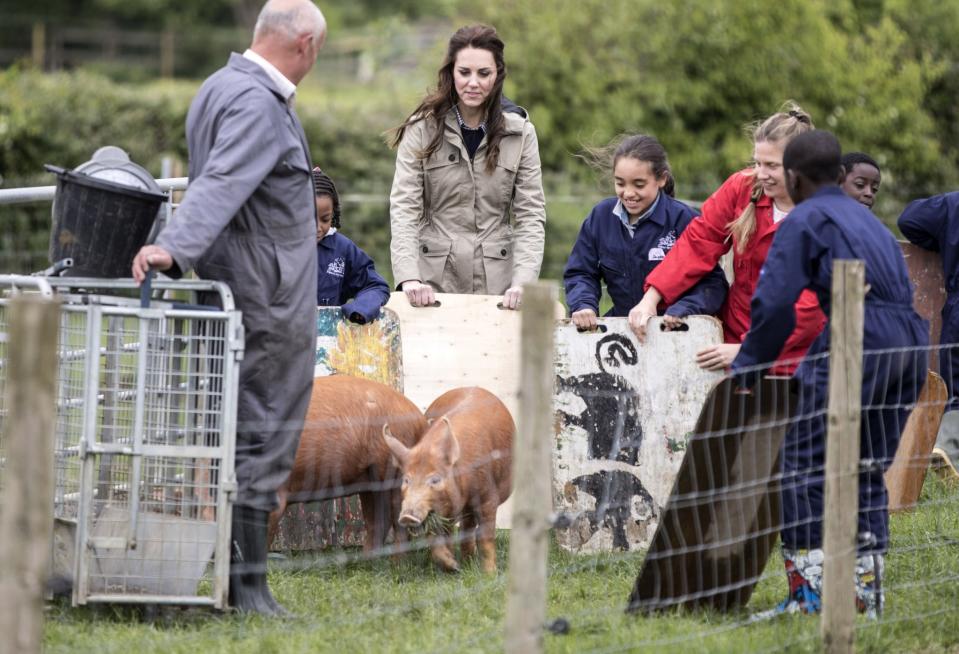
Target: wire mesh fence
{"points": [[146, 407], [735, 557]]}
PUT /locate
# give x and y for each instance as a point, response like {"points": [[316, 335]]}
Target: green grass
{"points": [[382, 606]]}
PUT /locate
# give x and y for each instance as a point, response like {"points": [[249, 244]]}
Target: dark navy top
{"points": [[933, 224], [829, 226], [606, 252], [345, 272]]}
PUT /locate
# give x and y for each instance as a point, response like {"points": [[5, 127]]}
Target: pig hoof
{"points": [[448, 565]]}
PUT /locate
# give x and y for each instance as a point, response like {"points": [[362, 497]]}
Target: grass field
{"points": [[346, 605]]}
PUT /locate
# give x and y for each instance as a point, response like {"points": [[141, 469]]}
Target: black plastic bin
{"points": [[99, 224]]}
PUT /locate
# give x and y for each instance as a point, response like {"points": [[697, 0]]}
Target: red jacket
{"points": [[707, 239]]}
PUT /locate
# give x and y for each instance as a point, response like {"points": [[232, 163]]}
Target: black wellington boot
{"points": [[249, 592]]}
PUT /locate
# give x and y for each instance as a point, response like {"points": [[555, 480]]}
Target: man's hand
{"points": [[150, 256]]}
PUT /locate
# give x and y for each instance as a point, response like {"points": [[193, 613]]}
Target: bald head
{"points": [[289, 19], [289, 34]]}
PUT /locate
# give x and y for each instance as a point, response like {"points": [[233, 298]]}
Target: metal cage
{"points": [[145, 439]]}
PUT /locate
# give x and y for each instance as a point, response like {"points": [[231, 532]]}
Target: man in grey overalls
{"points": [[249, 219]]}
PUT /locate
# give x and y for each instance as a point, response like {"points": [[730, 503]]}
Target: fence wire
{"points": [[712, 577]]}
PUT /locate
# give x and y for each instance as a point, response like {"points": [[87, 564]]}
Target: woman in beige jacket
{"points": [[466, 161]]}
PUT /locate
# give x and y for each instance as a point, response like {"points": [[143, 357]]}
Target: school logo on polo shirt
{"points": [[665, 244], [337, 267]]}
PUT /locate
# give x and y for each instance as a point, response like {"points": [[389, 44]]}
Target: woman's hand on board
{"points": [[418, 293]]}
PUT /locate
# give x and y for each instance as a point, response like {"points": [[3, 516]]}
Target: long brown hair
{"points": [[782, 127], [439, 102]]}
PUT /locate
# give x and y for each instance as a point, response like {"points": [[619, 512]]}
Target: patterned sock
{"points": [[869, 593], [804, 573]]}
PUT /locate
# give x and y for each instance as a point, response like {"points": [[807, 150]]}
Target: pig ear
{"points": [[399, 451], [450, 447]]}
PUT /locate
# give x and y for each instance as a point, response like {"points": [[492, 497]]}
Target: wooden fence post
{"points": [[842, 458], [532, 503], [38, 45], [26, 498], [167, 54]]}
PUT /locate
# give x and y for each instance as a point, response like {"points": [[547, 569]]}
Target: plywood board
{"points": [[722, 519], [623, 413], [925, 272], [465, 341], [905, 476]]}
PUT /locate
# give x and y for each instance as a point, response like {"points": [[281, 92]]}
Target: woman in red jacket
{"points": [[744, 214]]}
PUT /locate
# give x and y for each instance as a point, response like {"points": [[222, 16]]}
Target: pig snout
{"points": [[410, 520]]}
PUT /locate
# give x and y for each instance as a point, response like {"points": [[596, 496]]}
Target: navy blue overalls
{"points": [[605, 251], [826, 227], [344, 271], [933, 224]]}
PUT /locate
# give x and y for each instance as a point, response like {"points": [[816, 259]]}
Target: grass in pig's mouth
{"points": [[434, 525]]}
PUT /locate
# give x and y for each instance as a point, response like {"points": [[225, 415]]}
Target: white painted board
{"points": [[623, 413], [465, 341]]}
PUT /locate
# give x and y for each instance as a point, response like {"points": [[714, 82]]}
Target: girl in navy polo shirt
{"points": [[345, 274], [626, 236]]}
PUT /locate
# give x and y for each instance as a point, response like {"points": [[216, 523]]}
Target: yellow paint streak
{"points": [[362, 351]]}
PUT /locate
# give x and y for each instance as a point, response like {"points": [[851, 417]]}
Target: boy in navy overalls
{"points": [[826, 226]]}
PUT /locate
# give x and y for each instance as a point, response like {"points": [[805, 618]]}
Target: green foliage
{"points": [[62, 118], [692, 72]]}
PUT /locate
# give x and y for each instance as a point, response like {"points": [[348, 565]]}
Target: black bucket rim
{"points": [[82, 179]]}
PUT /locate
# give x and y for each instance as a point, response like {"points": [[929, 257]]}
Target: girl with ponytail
{"points": [[627, 236], [742, 215]]}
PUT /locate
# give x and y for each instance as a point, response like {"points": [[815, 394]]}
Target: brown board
{"points": [[905, 476], [722, 519], [925, 272]]}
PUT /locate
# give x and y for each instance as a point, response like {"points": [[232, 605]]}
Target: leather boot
{"points": [[249, 592]]}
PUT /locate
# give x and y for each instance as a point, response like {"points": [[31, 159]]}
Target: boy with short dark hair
{"points": [[827, 225], [861, 177]]}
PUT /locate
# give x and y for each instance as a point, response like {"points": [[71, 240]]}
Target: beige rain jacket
{"points": [[450, 220]]}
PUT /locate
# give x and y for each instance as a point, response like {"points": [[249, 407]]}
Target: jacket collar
{"points": [[285, 86], [513, 123], [254, 70], [653, 214], [328, 242]]}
